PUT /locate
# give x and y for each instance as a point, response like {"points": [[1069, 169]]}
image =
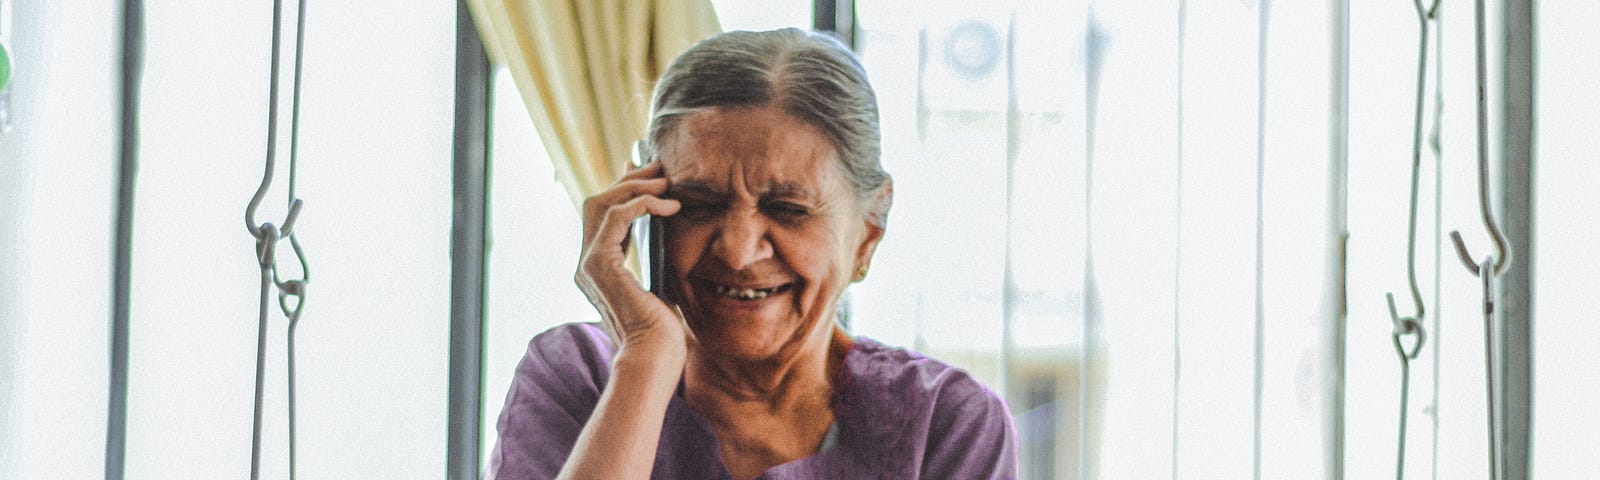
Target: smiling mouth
{"points": [[737, 293]]}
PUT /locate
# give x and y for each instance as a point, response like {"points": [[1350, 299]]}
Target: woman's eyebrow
{"points": [[704, 189], [694, 188], [788, 190]]}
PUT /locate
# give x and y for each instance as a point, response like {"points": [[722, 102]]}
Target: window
{"points": [[1564, 260], [375, 176], [1124, 217], [1147, 229], [535, 233], [56, 192]]}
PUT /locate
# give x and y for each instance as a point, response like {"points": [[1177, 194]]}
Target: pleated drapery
{"points": [[585, 70]]}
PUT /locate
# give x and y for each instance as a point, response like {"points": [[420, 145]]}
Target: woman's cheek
{"points": [[809, 256], [683, 239]]}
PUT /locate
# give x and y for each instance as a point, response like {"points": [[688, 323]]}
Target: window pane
{"points": [[1445, 424], [58, 176], [1382, 88], [535, 236], [1565, 261], [375, 176], [1012, 139], [1217, 298], [988, 228], [760, 15], [1300, 246]]}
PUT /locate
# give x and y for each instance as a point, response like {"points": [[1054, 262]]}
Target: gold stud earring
{"points": [[861, 273]]}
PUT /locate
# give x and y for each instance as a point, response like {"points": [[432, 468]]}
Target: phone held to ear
{"points": [[647, 237]]}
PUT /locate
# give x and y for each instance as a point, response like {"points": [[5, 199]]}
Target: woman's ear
{"points": [[877, 221]]}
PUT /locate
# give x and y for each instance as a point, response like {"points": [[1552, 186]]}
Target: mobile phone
{"points": [[647, 237]]}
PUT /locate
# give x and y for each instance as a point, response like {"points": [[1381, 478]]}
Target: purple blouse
{"points": [[897, 415]]}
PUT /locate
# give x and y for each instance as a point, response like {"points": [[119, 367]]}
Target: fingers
{"points": [[595, 207], [614, 226], [630, 182], [603, 258], [630, 314], [623, 191]]}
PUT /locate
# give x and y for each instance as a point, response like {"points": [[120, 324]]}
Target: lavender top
{"points": [[897, 415]]}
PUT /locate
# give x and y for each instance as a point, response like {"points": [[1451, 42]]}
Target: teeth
{"points": [[743, 294]]}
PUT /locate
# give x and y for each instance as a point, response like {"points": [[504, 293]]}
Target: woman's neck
{"points": [[778, 384], [768, 413]]}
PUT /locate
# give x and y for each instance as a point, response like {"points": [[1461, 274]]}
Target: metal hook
{"points": [[1405, 326], [266, 244], [1405, 384], [295, 287], [1414, 322], [250, 224], [267, 229], [287, 228], [1503, 252], [267, 236]]}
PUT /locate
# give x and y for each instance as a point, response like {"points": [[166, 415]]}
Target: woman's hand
{"points": [[619, 439], [640, 323]]}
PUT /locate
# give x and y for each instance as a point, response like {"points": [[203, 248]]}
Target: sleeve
{"points": [[971, 435], [553, 393]]}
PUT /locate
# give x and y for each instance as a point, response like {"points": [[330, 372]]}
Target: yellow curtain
{"points": [[585, 69]]}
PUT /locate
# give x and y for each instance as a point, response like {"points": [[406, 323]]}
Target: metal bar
{"points": [[1437, 330], [1260, 267], [468, 242], [1177, 250], [837, 16], [1516, 193], [1088, 354], [1008, 282], [1338, 227], [127, 171], [1439, 228]]}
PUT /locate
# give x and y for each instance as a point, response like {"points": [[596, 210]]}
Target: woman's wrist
{"points": [[657, 363], [619, 439]]}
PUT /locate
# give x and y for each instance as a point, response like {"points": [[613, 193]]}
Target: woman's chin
{"points": [[742, 350], [749, 338]]}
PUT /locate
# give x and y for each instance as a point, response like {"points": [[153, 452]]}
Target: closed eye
{"points": [[787, 210]]}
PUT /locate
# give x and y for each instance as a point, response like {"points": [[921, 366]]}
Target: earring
{"points": [[861, 273]]}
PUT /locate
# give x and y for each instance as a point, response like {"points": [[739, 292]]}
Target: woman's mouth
{"points": [[738, 293]]}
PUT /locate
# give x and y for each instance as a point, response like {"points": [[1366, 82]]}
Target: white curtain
{"points": [[585, 69]]}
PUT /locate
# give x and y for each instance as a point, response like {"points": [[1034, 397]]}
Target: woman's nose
{"points": [[741, 240]]}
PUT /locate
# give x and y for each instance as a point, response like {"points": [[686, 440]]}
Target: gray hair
{"points": [[809, 75]]}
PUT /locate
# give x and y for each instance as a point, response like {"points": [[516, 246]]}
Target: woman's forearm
{"points": [[619, 441]]}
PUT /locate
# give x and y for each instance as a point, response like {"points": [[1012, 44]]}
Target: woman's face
{"points": [[769, 235]]}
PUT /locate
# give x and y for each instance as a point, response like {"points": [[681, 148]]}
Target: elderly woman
{"points": [[773, 200]]}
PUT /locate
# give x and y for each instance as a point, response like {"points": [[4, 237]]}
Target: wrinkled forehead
{"points": [[759, 150]]}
